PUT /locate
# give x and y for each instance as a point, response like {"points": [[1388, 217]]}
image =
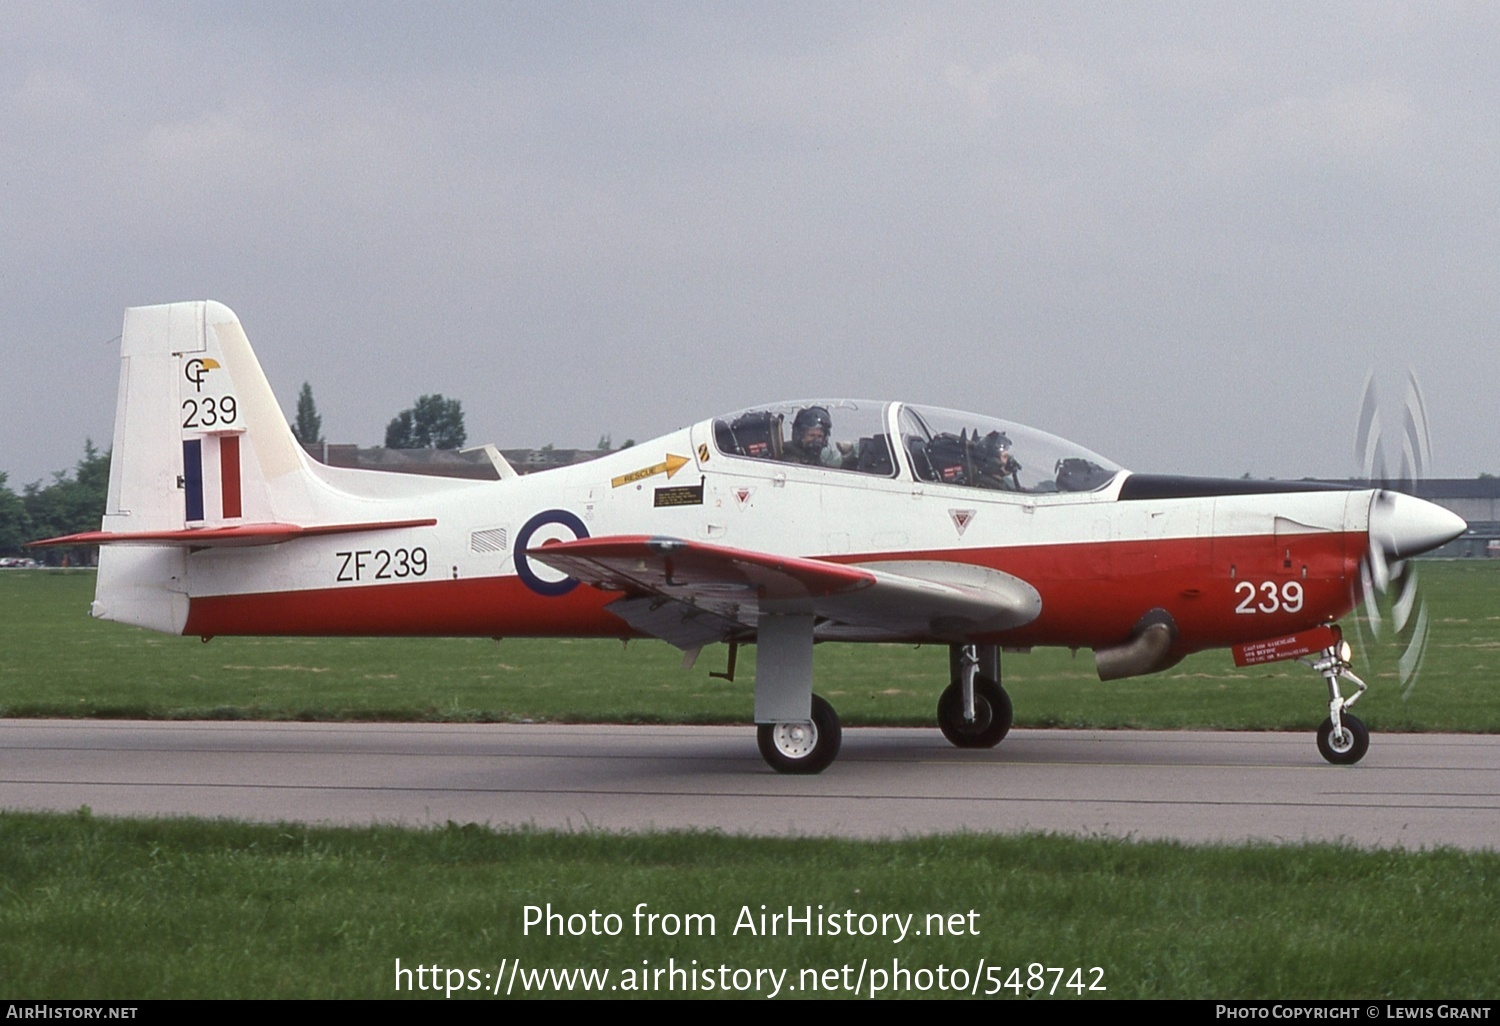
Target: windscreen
{"points": [[949, 447]]}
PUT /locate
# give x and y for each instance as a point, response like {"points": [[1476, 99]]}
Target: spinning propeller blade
{"points": [[1395, 530], [1367, 450]]}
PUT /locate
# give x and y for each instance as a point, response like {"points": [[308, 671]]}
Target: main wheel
{"points": [[1346, 747], [802, 747], [992, 714]]}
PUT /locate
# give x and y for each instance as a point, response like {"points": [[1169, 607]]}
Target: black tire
{"points": [[1348, 748], [993, 714], [802, 747]]}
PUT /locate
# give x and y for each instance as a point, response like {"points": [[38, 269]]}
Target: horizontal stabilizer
{"points": [[226, 537]]}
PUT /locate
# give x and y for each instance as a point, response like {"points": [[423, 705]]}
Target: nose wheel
{"points": [[1345, 744]]}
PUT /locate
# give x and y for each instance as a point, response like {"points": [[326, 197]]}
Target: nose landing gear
{"points": [[1343, 738]]}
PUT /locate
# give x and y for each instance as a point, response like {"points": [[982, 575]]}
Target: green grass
{"points": [[167, 909], [55, 661]]}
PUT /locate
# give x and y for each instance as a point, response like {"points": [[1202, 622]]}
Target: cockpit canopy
{"points": [[931, 444]]}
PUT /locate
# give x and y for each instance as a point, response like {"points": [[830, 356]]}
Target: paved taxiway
{"points": [[1411, 790]]}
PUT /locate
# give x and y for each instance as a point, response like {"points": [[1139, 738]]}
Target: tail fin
{"points": [[200, 443], [200, 440]]}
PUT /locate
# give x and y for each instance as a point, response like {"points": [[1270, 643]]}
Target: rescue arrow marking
{"points": [[671, 465]]}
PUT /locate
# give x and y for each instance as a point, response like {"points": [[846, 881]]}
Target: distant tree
{"points": [[15, 523], [1486, 476], [399, 433], [628, 443], [309, 426], [70, 504], [605, 443], [432, 423]]}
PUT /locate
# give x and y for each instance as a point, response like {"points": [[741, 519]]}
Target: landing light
{"points": [[1345, 652]]}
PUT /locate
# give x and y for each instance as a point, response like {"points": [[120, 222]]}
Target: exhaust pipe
{"points": [[1149, 649]]}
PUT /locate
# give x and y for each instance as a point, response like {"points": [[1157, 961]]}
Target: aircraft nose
{"points": [[1403, 525]]}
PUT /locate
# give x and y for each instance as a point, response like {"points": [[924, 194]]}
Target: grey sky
{"points": [[1179, 234]]}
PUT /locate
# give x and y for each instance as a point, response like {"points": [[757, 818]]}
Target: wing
{"points": [[690, 593]]}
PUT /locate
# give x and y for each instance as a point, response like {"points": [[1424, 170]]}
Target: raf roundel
{"points": [[529, 577]]}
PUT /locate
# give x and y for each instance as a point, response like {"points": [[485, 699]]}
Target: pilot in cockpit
{"points": [[811, 429], [994, 466], [967, 459]]}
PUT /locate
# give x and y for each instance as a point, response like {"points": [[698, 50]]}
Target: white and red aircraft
{"points": [[783, 525]]}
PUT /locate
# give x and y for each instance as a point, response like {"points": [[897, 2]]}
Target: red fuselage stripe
{"points": [[1220, 591]]}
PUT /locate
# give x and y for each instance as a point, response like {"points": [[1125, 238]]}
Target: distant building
{"points": [[1477, 500], [471, 463]]}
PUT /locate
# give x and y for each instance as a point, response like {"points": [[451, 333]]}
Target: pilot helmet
{"points": [[993, 450], [810, 417], [996, 442]]}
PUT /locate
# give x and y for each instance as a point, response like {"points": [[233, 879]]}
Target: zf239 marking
{"points": [[381, 564]]}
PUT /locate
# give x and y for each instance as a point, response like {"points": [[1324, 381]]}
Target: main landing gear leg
{"points": [[1343, 738], [798, 732], [974, 711]]}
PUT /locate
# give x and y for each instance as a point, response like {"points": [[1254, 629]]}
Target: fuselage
{"points": [[1230, 562]]}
